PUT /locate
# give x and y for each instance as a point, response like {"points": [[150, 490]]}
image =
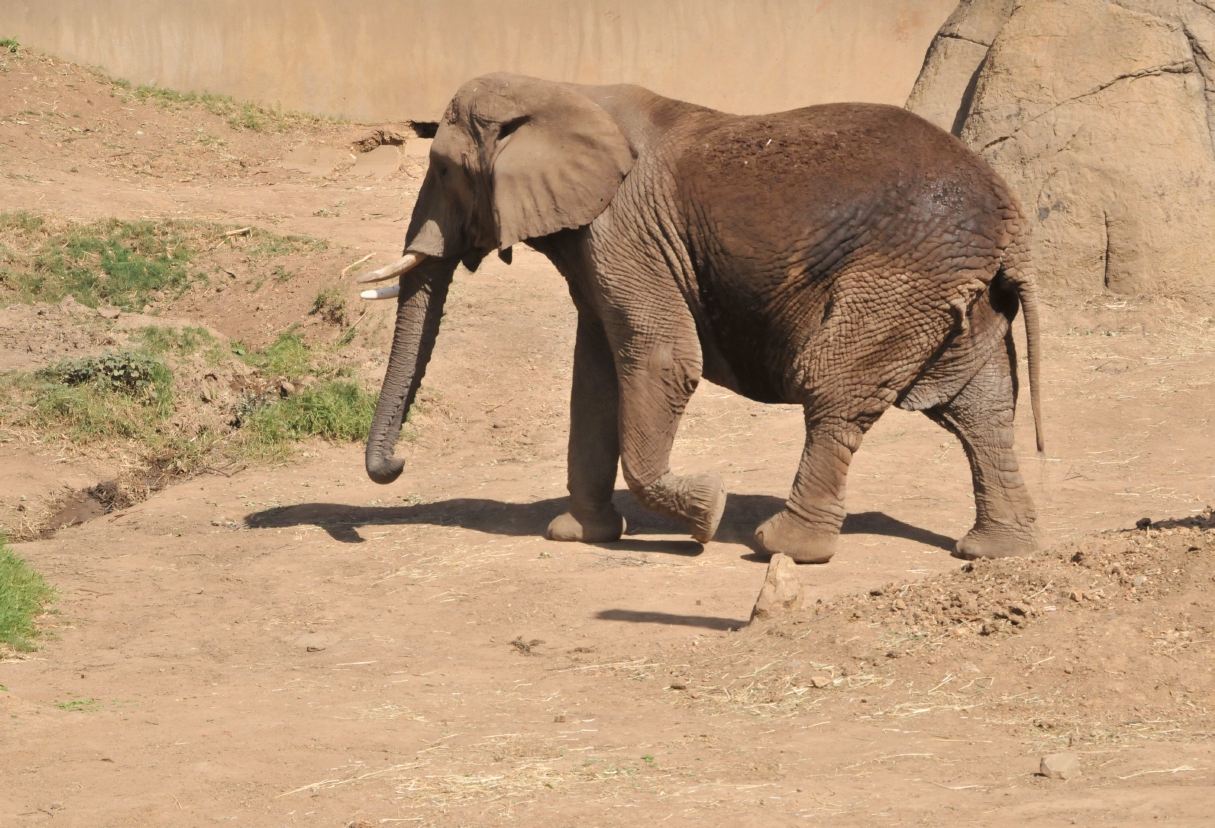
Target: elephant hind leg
{"points": [[981, 416], [808, 528]]}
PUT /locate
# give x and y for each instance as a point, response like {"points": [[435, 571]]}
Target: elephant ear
{"points": [[556, 164]]}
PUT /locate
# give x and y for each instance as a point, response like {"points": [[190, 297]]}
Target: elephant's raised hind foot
{"points": [[605, 526], [785, 534], [988, 543]]}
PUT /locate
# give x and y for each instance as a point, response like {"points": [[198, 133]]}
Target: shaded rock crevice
{"points": [[952, 36]]}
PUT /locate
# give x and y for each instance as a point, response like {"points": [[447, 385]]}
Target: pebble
{"points": [[1139, 580], [109, 312], [820, 681], [1060, 766]]}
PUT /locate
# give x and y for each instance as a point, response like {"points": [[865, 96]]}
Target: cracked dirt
{"points": [[294, 645]]}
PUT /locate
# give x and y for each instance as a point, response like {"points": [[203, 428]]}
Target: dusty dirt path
{"points": [[295, 645]]}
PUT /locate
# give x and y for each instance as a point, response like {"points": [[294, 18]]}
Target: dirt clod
{"points": [[526, 647]]}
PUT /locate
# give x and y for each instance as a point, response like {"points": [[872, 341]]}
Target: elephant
{"points": [[845, 257]]}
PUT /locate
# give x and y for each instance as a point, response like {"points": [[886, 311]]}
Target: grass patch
{"points": [[9, 45], [89, 414], [186, 340], [238, 114], [288, 357], [80, 705], [123, 263], [330, 305], [127, 397], [335, 410], [96, 392], [114, 262], [23, 593], [266, 245]]}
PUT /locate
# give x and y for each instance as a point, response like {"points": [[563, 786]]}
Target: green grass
{"points": [[123, 263], [330, 305], [23, 593], [336, 410], [89, 414], [116, 262], [136, 375], [80, 705], [10, 45], [288, 357], [128, 397], [186, 340]]}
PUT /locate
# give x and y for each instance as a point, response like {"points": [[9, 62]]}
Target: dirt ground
{"points": [[294, 645]]}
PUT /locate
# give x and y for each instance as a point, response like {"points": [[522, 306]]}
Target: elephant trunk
{"points": [[419, 310]]}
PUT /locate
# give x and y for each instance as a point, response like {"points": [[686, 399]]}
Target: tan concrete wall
{"points": [[403, 59]]}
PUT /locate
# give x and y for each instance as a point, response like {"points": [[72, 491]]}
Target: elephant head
{"points": [[514, 159]]}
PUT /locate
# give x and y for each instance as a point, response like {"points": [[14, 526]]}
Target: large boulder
{"points": [[1099, 115]]}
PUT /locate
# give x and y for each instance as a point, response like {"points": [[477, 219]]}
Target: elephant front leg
{"points": [[808, 529], [654, 395], [594, 447], [981, 416]]}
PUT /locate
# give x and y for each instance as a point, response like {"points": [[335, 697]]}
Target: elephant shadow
{"points": [[743, 513]]}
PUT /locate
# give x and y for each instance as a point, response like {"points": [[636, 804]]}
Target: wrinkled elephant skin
{"points": [[846, 257]]}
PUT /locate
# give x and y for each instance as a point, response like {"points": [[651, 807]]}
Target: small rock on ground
{"points": [[782, 590], [1060, 766]]}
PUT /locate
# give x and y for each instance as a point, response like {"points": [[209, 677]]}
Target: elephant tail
{"points": [[1021, 278]]}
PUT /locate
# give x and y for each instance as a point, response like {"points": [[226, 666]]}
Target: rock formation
{"points": [[1099, 115]]}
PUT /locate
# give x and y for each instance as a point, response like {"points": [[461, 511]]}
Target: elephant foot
{"points": [[707, 503], [785, 534], [986, 543], [698, 501], [605, 526]]}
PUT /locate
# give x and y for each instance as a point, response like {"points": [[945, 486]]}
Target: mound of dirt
{"points": [[1092, 111], [32, 336], [1109, 636], [80, 119]]}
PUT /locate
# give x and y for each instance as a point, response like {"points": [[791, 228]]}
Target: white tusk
{"points": [[390, 292], [402, 265]]}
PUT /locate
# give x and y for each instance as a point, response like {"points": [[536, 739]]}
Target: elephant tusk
{"points": [[390, 292], [402, 265]]}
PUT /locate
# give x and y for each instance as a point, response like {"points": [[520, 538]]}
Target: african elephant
{"points": [[845, 257]]}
